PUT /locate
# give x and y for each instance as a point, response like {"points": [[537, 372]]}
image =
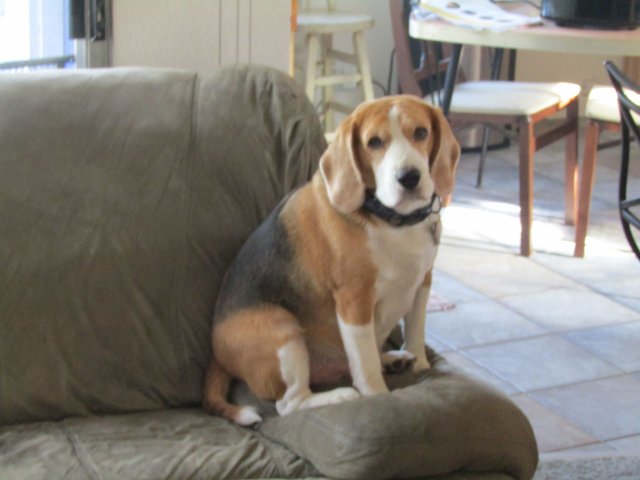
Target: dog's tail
{"points": [[216, 389]]}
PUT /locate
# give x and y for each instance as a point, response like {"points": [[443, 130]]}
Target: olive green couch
{"points": [[124, 195]]}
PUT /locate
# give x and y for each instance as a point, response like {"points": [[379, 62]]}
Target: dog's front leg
{"points": [[414, 326], [364, 360]]}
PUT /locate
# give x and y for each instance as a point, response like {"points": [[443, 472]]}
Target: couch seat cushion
{"points": [[179, 443]]}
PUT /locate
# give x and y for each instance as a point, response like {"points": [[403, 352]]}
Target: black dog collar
{"points": [[375, 207]]}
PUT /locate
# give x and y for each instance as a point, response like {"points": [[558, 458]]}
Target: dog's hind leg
{"points": [[265, 347], [294, 367]]}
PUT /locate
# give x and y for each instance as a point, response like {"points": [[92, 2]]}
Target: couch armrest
{"points": [[431, 424]]}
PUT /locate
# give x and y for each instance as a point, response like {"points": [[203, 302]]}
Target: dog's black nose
{"points": [[408, 178]]}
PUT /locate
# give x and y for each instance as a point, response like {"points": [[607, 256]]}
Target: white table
{"points": [[547, 37]]}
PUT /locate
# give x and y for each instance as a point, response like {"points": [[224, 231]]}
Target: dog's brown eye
{"points": [[375, 143], [420, 133]]}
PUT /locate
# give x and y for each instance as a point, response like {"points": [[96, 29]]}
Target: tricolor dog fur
{"points": [[318, 287]]}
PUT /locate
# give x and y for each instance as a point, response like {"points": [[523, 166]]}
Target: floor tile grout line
{"points": [[582, 382], [547, 289], [623, 437], [599, 441], [589, 287], [547, 333], [497, 300], [579, 446], [619, 374]]}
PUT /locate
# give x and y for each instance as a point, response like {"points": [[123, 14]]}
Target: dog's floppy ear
{"points": [[444, 154], [339, 169]]}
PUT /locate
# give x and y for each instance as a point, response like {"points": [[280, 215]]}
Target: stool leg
{"points": [[527, 146], [327, 90], [587, 177], [313, 49], [571, 166], [363, 65]]}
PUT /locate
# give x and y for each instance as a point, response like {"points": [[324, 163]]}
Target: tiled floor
{"points": [[560, 335]]}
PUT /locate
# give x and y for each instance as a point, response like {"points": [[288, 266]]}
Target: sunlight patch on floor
{"points": [[499, 222]]}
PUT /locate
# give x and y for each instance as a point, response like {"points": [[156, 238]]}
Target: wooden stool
{"points": [[319, 28]]}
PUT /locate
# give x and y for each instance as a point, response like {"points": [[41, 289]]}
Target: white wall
{"points": [[584, 69], [200, 34]]}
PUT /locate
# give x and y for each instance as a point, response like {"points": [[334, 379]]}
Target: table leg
{"points": [[450, 78]]}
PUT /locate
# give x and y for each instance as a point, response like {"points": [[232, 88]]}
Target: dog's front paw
{"points": [[342, 394], [396, 361]]}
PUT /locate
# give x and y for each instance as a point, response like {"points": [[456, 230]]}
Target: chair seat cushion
{"points": [[325, 21], [164, 444], [602, 104], [510, 98]]}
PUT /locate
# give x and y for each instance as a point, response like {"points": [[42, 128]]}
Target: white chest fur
{"points": [[403, 256]]}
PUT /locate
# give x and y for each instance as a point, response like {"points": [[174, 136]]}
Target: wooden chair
{"points": [[319, 28], [602, 114], [496, 104], [605, 107]]}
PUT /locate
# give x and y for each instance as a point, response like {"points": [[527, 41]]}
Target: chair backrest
{"points": [[625, 88], [629, 102], [421, 65]]}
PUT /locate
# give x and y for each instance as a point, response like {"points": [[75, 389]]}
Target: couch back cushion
{"points": [[124, 196]]}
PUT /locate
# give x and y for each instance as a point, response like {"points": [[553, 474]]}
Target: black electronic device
{"points": [[605, 14]]}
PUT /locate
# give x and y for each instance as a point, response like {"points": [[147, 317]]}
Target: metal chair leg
{"points": [[483, 155]]}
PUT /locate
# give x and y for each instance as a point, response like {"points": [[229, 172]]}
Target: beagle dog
{"points": [[318, 287]]}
